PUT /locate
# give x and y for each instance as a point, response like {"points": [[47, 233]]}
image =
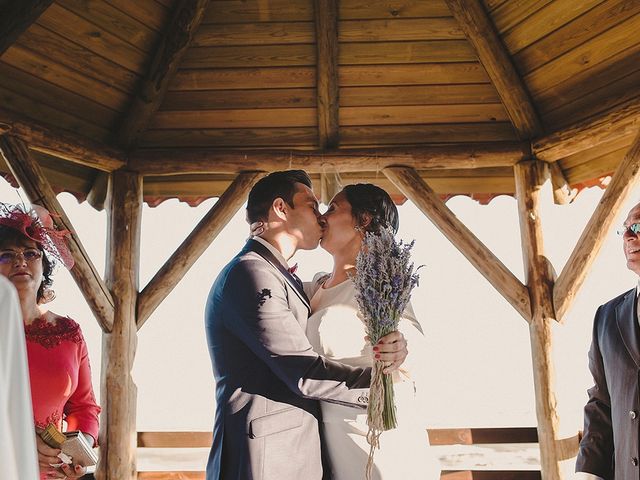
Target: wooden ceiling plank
{"points": [[63, 144], [17, 17], [545, 21], [327, 95], [495, 59], [498, 275], [592, 23], [30, 177], [176, 40], [165, 280], [169, 162], [588, 59], [594, 234], [608, 127]]}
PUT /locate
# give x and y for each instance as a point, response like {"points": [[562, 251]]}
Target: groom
{"points": [[268, 379]]}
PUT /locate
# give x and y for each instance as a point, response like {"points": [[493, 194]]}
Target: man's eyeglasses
{"points": [[10, 256], [634, 229]]}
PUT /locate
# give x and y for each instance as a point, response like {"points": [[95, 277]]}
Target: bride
{"points": [[336, 330]]}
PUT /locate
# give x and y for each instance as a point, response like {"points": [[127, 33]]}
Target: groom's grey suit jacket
{"points": [[268, 378], [609, 447]]}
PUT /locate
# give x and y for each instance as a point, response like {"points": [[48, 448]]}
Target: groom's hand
{"points": [[391, 349]]}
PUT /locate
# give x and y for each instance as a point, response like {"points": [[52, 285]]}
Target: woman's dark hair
{"points": [[275, 185], [11, 236], [368, 199]]}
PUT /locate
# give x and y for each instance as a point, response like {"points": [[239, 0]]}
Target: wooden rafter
{"points": [[61, 143], [29, 175], [530, 175], [183, 24], [16, 17], [495, 59], [194, 245], [416, 190], [170, 162], [118, 391], [610, 126], [326, 16], [594, 234]]}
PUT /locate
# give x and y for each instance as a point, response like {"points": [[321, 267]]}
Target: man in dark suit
{"points": [[268, 378], [609, 447]]}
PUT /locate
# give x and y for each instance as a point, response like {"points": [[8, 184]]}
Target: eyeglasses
{"points": [[633, 229], [10, 256]]}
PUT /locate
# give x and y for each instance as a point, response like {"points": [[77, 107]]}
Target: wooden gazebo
{"points": [[121, 102]]}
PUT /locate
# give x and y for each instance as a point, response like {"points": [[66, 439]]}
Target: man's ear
{"points": [[365, 220], [280, 208]]}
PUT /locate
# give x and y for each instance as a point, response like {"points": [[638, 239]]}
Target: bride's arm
{"points": [[413, 333]]}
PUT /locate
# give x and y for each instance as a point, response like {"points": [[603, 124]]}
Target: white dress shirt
{"points": [[18, 457]]}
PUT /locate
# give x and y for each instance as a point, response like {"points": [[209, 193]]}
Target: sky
{"points": [[477, 368]]}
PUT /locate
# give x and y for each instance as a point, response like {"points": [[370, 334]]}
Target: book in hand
{"points": [[74, 446]]}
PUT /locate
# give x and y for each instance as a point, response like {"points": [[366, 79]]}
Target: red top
{"points": [[61, 376]]}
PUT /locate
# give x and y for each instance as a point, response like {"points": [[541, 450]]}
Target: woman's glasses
{"points": [[633, 229], [10, 256]]}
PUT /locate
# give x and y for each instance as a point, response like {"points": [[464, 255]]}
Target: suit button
{"points": [[634, 461], [633, 415]]}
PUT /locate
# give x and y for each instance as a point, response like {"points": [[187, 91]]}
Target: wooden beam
{"points": [[530, 175], [562, 193], [415, 189], [495, 59], [61, 143], [170, 162], [326, 17], [118, 419], [18, 16], [594, 234], [183, 23], [30, 177], [194, 245], [613, 125]]}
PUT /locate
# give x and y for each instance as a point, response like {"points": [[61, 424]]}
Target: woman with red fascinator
{"points": [[59, 369]]}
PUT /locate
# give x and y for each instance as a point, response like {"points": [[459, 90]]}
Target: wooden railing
{"points": [[437, 437]]}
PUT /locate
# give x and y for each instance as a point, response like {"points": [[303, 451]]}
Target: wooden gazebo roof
{"points": [[457, 89]]}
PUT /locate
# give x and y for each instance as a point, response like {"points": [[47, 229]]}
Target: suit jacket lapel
{"points": [[627, 319], [257, 247]]}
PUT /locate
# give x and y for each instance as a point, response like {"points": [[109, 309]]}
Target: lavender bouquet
{"points": [[383, 282]]}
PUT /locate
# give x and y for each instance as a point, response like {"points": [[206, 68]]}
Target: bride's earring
{"points": [[48, 295]]}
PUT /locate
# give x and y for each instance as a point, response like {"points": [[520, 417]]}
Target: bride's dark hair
{"points": [[370, 200]]}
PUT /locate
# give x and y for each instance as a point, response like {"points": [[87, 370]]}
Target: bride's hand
{"points": [[257, 228], [391, 349]]}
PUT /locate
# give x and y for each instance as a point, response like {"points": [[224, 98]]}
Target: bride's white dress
{"points": [[336, 331]]}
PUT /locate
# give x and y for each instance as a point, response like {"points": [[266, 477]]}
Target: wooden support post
{"points": [[16, 17], [326, 16], [594, 234], [183, 23], [562, 193], [495, 59], [30, 177], [194, 245], [118, 419], [530, 175], [415, 189]]}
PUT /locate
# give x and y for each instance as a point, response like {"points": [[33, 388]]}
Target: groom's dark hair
{"points": [[275, 185]]}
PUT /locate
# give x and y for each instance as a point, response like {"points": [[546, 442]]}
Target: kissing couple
{"points": [[290, 359]]}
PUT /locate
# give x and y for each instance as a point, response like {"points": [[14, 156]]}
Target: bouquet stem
{"points": [[381, 413]]}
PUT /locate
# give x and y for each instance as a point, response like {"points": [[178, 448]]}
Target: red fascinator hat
{"points": [[36, 224]]}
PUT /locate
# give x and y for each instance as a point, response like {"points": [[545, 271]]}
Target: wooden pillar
{"points": [[530, 175], [118, 421]]}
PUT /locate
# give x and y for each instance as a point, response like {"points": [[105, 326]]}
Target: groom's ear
{"points": [[280, 208]]}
